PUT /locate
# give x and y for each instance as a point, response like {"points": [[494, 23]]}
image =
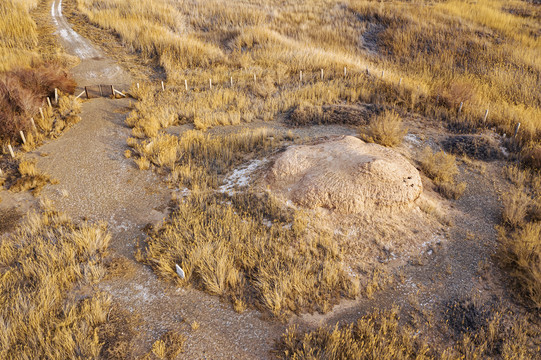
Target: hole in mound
{"points": [[475, 146]]}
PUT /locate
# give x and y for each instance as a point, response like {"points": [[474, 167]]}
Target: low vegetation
{"points": [[41, 262], [386, 129], [520, 234], [245, 248], [475, 332], [442, 169]]}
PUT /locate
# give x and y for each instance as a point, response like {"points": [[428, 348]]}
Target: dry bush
{"points": [[40, 262], [531, 156], [442, 169], [23, 91], [225, 247], [386, 129]]}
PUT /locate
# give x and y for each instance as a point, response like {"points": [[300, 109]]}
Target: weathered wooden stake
{"points": [[186, 84], [41, 112], [210, 83], [255, 78], [163, 87], [231, 81], [382, 73], [56, 95], [137, 86], [321, 74], [460, 107], [33, 123], [486, 115], [22, 137], [345, 71], [101, 91], [112, 91], [11, 151], [400, 82], [516, 129], [49, 102], [300, 76], [367, 72]]}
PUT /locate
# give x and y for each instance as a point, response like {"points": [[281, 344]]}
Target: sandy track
{"points": [[97, 183]]}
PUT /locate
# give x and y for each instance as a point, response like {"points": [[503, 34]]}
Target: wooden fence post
{"points": [[486, 115], [49, 102], [41, 112], [300, 76], [321, 74], [137, 86], [460, 108], [400, 82], [516, 130], [33, 123], [56, 95], [163, 86], [11, 151], [22, 137], [345, 71], [112, 91], [255, 78], [186, 84], [101, 91], [231, 81], [86, 92], [210, 83]]}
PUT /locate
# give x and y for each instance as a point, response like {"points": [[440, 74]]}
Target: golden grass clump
{"points": [[28, 177], [519, 234], [40, 263], [386, 129], [442, 169], [226, 248]]}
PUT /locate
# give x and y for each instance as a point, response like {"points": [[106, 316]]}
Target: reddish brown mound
{"points": [[345, 174]]}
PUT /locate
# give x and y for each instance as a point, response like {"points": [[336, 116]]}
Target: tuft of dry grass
{"points": [[167, 347], [28, 177], [442, 169], [40, 262], [226, 248], [386, 129]]}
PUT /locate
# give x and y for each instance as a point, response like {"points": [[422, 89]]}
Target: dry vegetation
{"points": [[520, 233], [484, 55], [442, 169], [476, 333], [41, 262], [386, 129]]}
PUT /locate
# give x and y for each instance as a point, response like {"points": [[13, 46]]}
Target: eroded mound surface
{"points": [[345, 174]]}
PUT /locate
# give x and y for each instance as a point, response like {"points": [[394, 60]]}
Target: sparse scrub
{"points": [[386, 129], [226, 249], [442, 169], [45, 257], [28, 177]]}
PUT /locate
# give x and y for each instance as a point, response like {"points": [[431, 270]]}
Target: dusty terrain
{"points": [[96, 182]]}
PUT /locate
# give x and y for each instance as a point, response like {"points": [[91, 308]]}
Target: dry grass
{"points": [[226, 248], [471, 332], [520, 234], [167, 347], [199, 160], [482, 54], [442, 169], [386, 129], [27, 177], [40, 263]]}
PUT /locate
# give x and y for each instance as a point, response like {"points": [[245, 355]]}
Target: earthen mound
{"points": [[345, 174]]}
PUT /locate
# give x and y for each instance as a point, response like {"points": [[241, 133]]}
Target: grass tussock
{"points": [[40, 263], [246, 249], [442, 169], [167, 347], [520, 234], [386, 129], [27, 177]]}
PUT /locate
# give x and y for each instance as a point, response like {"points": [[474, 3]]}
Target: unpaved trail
{"points": [[97, 183]]}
